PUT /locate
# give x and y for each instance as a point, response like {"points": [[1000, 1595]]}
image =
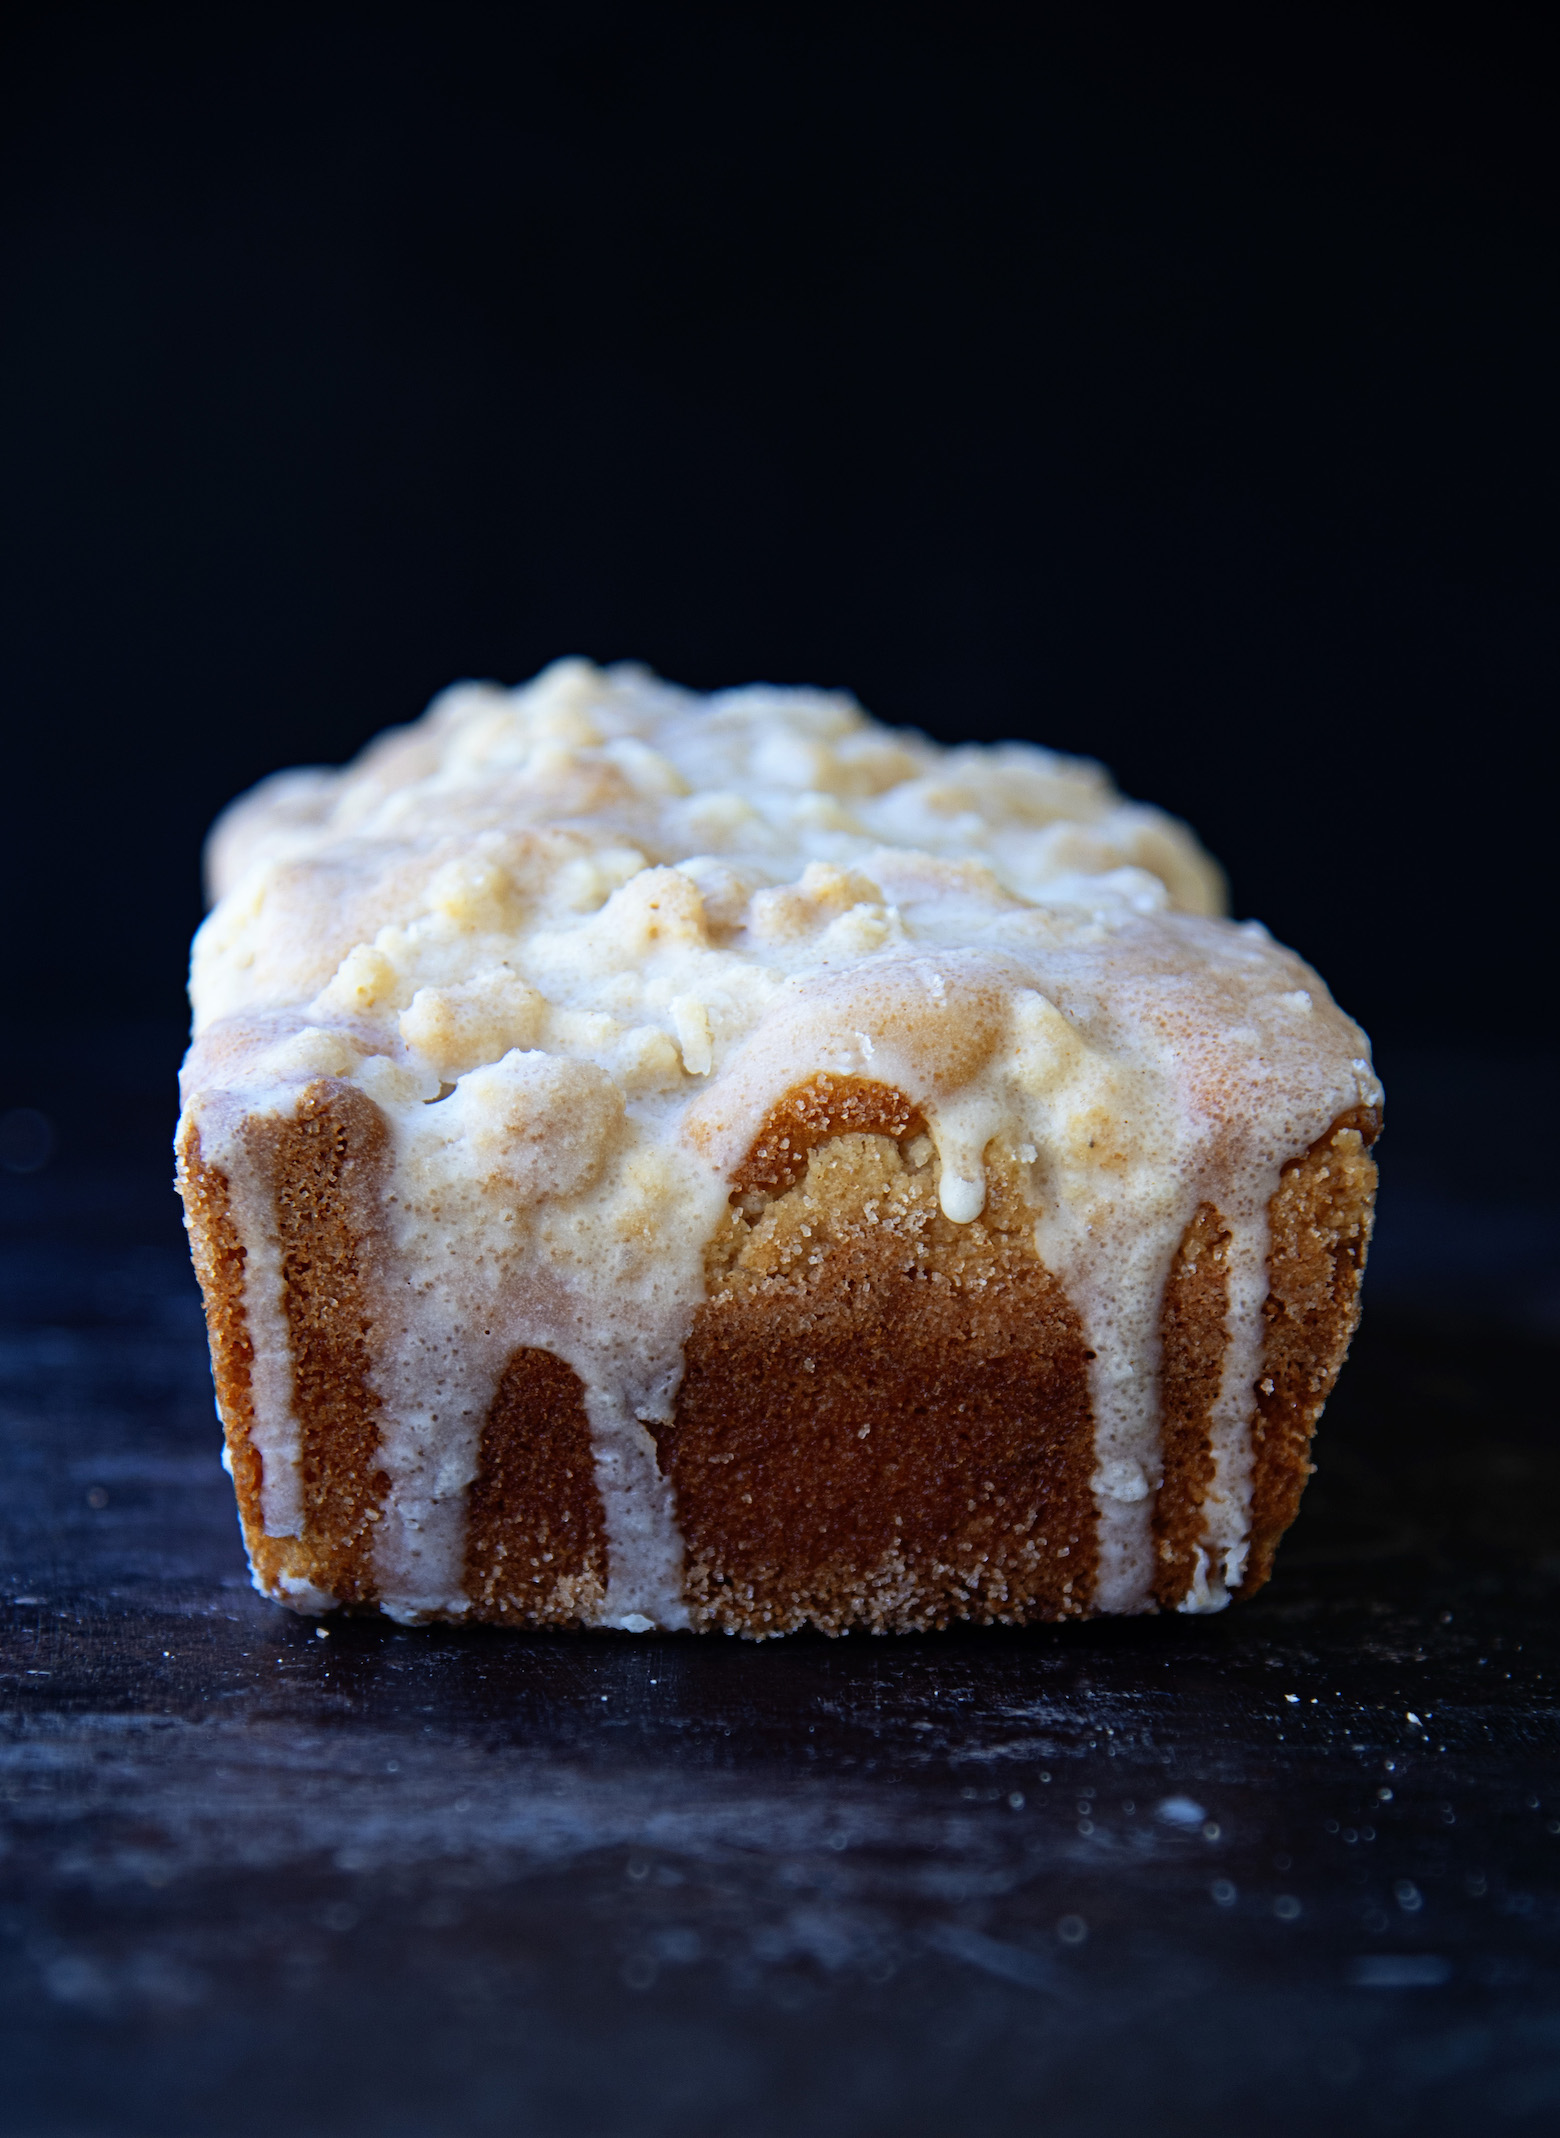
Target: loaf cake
{"points": [[669, 1162]]}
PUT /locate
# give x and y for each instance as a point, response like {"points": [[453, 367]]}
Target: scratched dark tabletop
{"points": [[1296, 1867]]}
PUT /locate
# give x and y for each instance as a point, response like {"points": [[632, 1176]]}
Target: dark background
{"points": [[1176, 387]]}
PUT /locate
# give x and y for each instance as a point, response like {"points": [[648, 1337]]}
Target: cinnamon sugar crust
{"points": [[884, 1420], [327, 1162], [536, 1549], [1192, 1338], [812, 1113], [218, 1256], [1320, 1221]]}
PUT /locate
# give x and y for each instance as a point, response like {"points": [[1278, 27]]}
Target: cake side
{"points": [[884, 1419], [218, 1256], [534, 1549], [1320, 1221], [326, 1163], [318, 1171], [1192, 1341]]}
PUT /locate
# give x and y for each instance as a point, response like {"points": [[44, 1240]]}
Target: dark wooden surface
{"points": [[1289, 1869]]}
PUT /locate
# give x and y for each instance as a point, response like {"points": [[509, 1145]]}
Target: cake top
{"points": [[698, 900], [803, 834]]}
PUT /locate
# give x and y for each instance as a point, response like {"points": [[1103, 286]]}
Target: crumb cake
{"points": [[657, 1161]]}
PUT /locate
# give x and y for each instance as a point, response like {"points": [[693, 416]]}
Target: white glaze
{"points": [[575, 939], [1227, 1502], [222, 1116], [274, 1430]]}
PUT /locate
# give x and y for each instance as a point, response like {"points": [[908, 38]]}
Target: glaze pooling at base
{"points": [[576, 940]]}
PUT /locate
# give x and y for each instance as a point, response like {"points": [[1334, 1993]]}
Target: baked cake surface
{"points": [[662, 1161]]}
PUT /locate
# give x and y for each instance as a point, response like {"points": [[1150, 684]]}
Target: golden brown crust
{"points": [[536, 1543], [326, 1162], [884, 1419], [1193, 1337], [1320, 1221], [218, 1257], [811, 1114]]}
